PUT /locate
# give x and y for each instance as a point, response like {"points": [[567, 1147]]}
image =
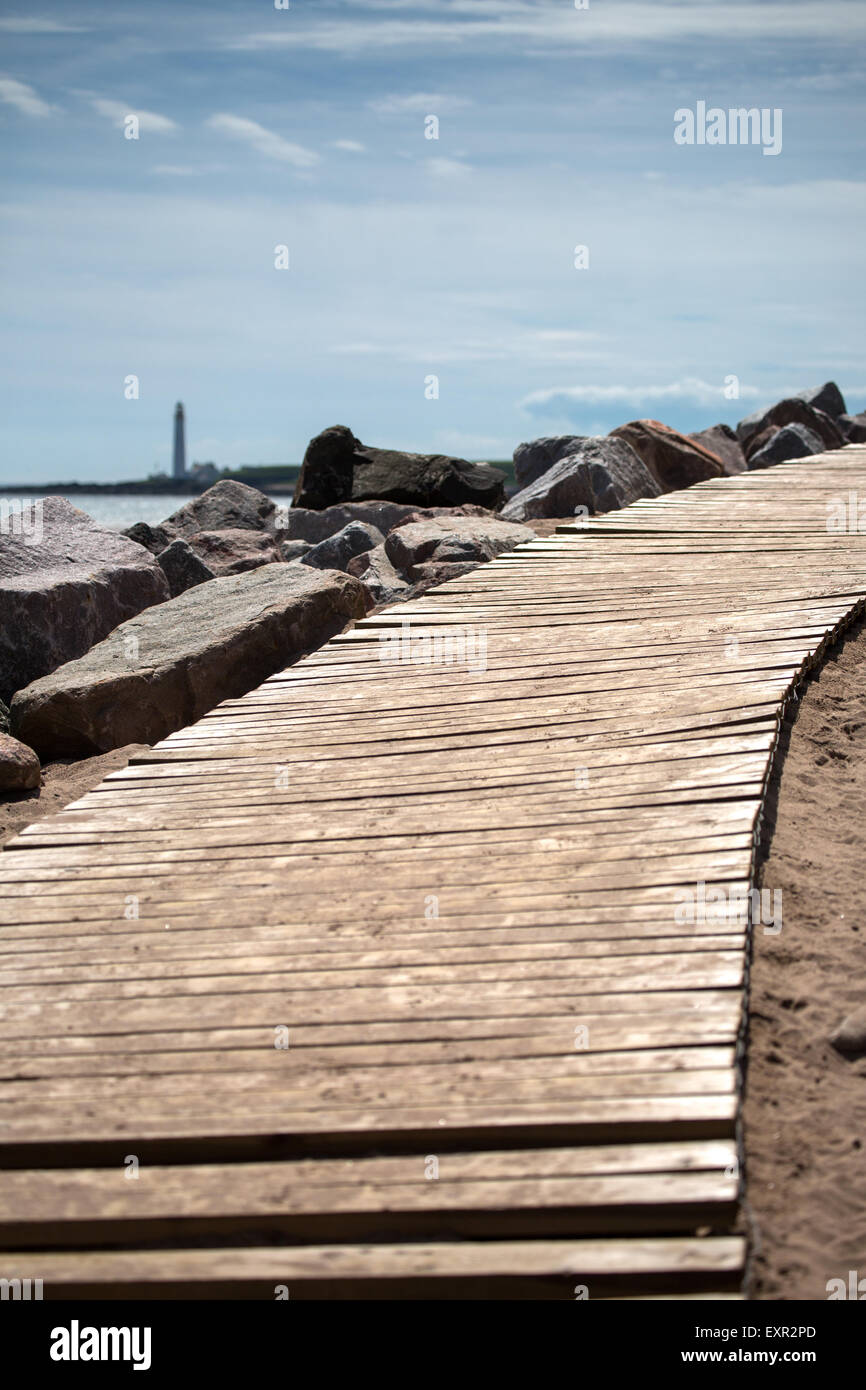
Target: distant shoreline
{"points": [[282, 488]]}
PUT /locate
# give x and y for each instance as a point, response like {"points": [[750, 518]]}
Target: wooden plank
{"points": [[454, 1269]]}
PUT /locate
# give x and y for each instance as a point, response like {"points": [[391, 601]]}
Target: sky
{"points": [[709, 269]]}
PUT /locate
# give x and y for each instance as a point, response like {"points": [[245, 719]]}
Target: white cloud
{"points": [[443, 168], [352, 146], [689, 389], [529, 348], [23, 98], [267, 142], [556, 24], [26, 25], [423, 102], [117, 112]]}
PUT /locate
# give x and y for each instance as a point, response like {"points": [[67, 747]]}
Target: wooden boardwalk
{"points": [[382, 980]]}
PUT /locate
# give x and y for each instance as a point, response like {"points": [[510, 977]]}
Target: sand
{"points": [[805, 1105], [62, 782]]}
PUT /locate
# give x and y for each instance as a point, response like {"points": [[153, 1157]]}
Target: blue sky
{"points": [[410, 257]]}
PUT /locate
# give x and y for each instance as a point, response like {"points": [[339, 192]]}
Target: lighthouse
{"points": [[179, 465]]}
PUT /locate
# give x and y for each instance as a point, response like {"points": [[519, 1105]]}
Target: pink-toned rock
{"points": [[674, 460], [65, 583], [177, 660], [233, 551], [20, 770], [452, 540]]}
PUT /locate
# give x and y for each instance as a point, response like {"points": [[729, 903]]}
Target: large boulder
{"points": [[234, 551], [65, 585], [227, 506], [674, 460], [793, 410], [466, 540], [790, 442], [182, 567], [169, 666], [534, 458], [602, 476], [336, 552], [337, 468], [19, 766], [827, 398], [722, 441]]}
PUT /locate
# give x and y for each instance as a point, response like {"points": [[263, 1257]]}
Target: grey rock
{"points": [[337, 468], [534, 458], [227, 506], [790, 442], [66, 591], [791, 411], [722, 441], [853, 428], [153, 538], [336, 552], [167, 667], [20, 770], [452, 540], [182, 567], [234, 551], [292, 550], [850, 1036], [603, 475], [304, 523], [827, 398], [4, 718], [379, 577]]}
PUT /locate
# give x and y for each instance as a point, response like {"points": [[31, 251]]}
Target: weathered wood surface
{"points": [[379, 977]]}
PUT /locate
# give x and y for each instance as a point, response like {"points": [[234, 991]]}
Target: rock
{"points": [[758, 441], [19, 766], [292, 550], [337, 468], [850, 1036], [153, 538], [182, 567], [336, 552], [167, 667], [234, 551], [4, 718], [827, 398], [305, 524], [603, 475], [379, 576], [66, 591], [791, 411], [435, 572], [673, 459], [723, 443], [533, 459], [791, 442], [853, 428], [227, 506], [451, 540]]}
